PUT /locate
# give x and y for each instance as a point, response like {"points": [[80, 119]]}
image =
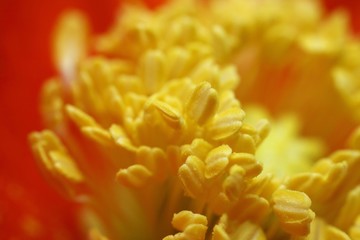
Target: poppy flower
{"points": [[116, 114]]}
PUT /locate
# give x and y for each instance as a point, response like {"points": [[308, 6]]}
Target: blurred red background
{"points": [[25, 62]]}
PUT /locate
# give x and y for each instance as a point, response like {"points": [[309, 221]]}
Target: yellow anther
{"points": [[250, 208], [185, 30], [155, 160], [115, 103], [134, 176], [263, 129], [192, 176], [179, 89], [41, 154], [98, 134], [179, 61], [263, 185], [248, 129], [321, 230], [335, 233], [97, 73], [226, 124], [53, 109], [249, 231], [222, 43], [119, 136], [80, 118], [220, 204], [199, 148], [134, 104], [346, 156], [207, 71], [219, 233], [234, 184], [152, 70], [229, 78], [143, 35], [227, 101], [200, 51], [86, 94], [202, 104], [183, 219], [316, 44], [127, 84], [193, 232], [217, 160], [349, 210], [47, 139], [135, 31], [66, 166], [248, 162], [355, 229], [293, 211], [171, 115], [243, 143], [193, 226], [70, 43], [326, 174], [54, 157]]}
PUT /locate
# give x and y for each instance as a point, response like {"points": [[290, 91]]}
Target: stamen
{"points": [[70, 44], [247, 162], [217, 160], [193, 226], [226, 124], [80, 118], [183, 219], [322, 230], [152, 70], [119, 136], [134, 176], [170, 114], [99, 135], [202, 104], [192, 177], [207, 71], [350, 210], [293, 211], [219, 233], [355, 229], [54, 158], [249, 231], [234, 184]]}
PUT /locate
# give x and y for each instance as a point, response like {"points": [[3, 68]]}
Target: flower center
{"points": [[156, 107]]}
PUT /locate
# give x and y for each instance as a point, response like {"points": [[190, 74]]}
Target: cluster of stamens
{"points": [[150, 137]]}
